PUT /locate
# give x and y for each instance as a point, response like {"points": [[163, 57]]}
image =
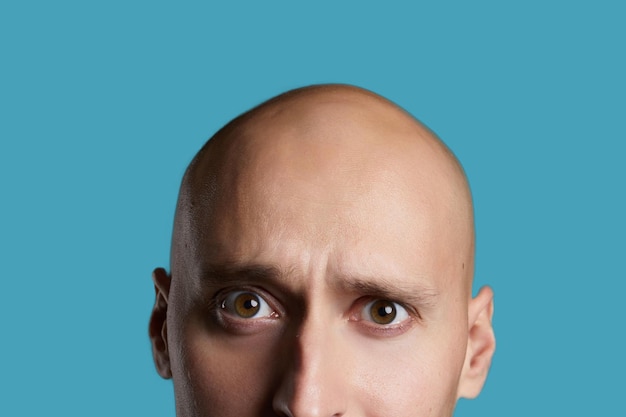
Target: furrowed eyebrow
{"points": [[412, 294], [417, 295], [230, 271]]}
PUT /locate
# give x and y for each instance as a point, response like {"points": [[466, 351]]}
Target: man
{"points": [[322, 263]]}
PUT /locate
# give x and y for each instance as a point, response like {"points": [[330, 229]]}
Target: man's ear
{"points": [[481, 344], [158, 323]]}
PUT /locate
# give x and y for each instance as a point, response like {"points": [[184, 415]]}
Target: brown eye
{"points": [[246, 305], [384, 312]]}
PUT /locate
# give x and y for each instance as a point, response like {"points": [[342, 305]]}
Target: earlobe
{"points": [[481, 344], [158, 323]]}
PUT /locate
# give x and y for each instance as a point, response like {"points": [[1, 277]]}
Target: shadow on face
{"points": [[321, 266]]}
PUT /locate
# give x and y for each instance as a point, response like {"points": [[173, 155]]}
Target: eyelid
{"points": [[263, 308], [383, 330], [230, 320], [399, 310], [411, 310]]}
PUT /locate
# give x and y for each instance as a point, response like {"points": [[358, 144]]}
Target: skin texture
{"points": [[316, 205]]}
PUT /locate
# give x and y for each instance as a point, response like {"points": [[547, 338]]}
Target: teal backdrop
{"points": [[103, 104]]}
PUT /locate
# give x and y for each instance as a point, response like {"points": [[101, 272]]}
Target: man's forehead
{"points": [[290, 218], [327, 169], [342, 253]]}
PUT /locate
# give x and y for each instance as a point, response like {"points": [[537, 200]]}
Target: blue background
{"points": [[103, 104]]}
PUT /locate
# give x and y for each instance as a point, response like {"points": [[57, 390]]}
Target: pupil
{"points": [[383, 312], [251, 303]]}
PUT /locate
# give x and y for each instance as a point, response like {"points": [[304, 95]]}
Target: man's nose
{"points": [[316, 377]]}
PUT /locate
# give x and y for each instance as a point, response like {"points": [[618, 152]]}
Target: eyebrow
{"points": [[412, 293], [234, 271]]}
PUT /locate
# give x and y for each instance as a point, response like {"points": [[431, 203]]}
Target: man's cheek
{"points": [[228, 373], [405, 376]]}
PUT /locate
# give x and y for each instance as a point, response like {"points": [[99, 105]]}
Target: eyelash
{"points": [[390, 329], [229, 320], [251, 303]]}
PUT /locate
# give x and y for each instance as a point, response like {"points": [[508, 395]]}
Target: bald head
{"points": [[321, 265], [311, 151]]}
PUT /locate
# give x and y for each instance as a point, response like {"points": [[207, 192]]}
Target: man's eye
{"points": [[384, 312], [246, 305]]}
